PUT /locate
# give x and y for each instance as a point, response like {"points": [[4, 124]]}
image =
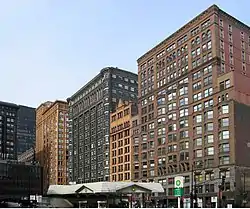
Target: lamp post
{"points": [[193, 195]]}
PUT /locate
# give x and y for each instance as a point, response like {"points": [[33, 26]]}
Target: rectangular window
{"points": [[225, 109], [198, 142], [224, 135], [210, 139], [209, 127], [198, 130], [183, 101], [224, 160], [224, 122], [210, 151], [197, 107], [208, 92], [198, 118], [183, 112], [208, 103], [198, 153], [224, 148], [208, 80]]}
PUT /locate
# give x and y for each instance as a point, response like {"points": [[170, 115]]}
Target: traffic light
{"points": [[222, 183], [223, 180]]}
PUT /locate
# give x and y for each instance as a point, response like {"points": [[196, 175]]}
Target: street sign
{"points": [[178, 182], [178, 192], [178, 186]]}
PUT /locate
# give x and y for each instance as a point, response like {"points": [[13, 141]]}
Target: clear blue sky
{"points": [[51, 48]]}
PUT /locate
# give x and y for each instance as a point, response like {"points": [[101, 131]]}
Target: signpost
{"points": [[178, 188]]}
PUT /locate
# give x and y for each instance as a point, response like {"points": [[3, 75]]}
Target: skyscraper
{"points": [[26, 128], [52, 141], [194, 107], [89, 112], [8, 131]]}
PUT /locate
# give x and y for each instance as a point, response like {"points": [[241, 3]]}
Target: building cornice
{"points": [[213, 9], [177, 33]]}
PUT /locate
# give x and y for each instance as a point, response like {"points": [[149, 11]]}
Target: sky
{"points": [[50, 48]]}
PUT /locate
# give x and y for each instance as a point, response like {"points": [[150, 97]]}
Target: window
{"points": [[227, 83], [161, 111], [209, 45], [221, 23], [225, 109], [230, 38], [198, 153], [230, 28], [209, 139], [172, 116], [183, 112], [196, 75], [198, 142], [183, 123], [224, 122], [198, 118], [183, 90], [208, 103], [224, 135], [197, 86], [172, 106], [208, 81], [197, 107], [224, 160], [198, 51], [172, 127], [208, 92], [183, 134], [183, 101], [198, 130], [207, 70], [231, 60], [209, 127], [197, 96], [210, 151], [172, 96], [209, 114], [161, 101], [224, 148]]}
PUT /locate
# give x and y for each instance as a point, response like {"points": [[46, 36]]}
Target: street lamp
{"points": [[193, 195]]}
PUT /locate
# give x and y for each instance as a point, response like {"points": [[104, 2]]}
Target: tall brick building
{"points": [[52, 141], [121, 158], [194, 107], [89, 114]]}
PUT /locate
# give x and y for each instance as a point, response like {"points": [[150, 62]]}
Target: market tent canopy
{"points": [[105, 187]]}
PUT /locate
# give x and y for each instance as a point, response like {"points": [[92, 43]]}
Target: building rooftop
{"points": [[105, 187]]}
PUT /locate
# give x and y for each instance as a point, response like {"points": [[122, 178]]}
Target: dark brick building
{"points": [[194, 107], [89, 112]]}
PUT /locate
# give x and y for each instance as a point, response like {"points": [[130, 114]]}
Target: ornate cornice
{"points": [[179, 32]]}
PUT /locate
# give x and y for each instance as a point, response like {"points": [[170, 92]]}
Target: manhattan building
{"points": [[8, 131], [52, 141], [89, 110], [194, 107], [26, 128], [121, 158]]}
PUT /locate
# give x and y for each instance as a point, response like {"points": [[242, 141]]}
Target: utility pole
{"points": [[244, 189], [192, 188], [221, 189]]}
